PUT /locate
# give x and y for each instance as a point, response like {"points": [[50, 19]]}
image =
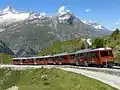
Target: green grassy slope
{"points": [[48, 79], [5, 58], [64, 46], [113, 41]]}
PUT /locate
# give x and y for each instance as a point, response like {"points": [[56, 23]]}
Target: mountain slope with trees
{"points": [[112, 40]]}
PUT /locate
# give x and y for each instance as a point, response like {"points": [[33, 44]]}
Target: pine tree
{"points": [[116, 32], [99, 42]]}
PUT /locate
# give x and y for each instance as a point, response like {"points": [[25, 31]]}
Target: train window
{"points": [[106, 53], [95, 54], [61, 57], [85, 56], [81, 54], [56, 58], [92, 54], [72, 56], [65, 57], [48, 58], [110, 53]]}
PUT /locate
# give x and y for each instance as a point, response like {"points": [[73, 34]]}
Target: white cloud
{"points": [[118, 22], [87, 10], [63, 9]]}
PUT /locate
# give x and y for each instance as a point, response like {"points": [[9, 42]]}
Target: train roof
{"points": [[33, 57], [90, 50]]}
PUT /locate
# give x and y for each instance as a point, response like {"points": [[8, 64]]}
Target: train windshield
{"points": [[106, 53]]}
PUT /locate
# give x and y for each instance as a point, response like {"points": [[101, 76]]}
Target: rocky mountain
{"points": [[5, 49], [38, 30]]}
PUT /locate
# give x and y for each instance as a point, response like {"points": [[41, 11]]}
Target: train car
{"points": [[99, 56], [41, 60], [23, 61], [17, 61], [62, 58]]}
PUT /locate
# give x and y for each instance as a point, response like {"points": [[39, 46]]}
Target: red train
{"points": [[99, 57]]}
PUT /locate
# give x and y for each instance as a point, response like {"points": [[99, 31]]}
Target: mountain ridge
{"points": [[40, 30], [62, 14]]}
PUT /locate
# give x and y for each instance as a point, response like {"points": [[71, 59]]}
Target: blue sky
{"points": [[105, 12]]}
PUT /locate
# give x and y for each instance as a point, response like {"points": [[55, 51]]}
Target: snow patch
{"points": [[11, 16], [13, 88], [43, 76], [93, 24], [1, 29], [62, 10], [98, 26], [88, 41], [8, 10], [64, 14]]}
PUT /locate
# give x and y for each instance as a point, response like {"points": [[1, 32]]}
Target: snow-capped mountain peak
{"points": [[62, 10], [8, 10], [10, 15], [64, 15], [93, 24], [42, 15], [34, 15]]}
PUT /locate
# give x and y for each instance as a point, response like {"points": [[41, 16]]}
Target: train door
{"points": [[43, 61], [56, 60], [50, 60], [62, 60], [85, 59], [80, 58], [93, 57], [77, 59], [72, 59], [23, 61]]}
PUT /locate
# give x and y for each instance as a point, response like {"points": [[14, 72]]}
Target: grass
{"points": [[48, 79], [5, 58]]}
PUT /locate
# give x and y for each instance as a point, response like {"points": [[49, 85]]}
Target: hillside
{"points": [[47, 79], [5, 58], [5, 49], [73, 45], [112, 40], [63, 46]]}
